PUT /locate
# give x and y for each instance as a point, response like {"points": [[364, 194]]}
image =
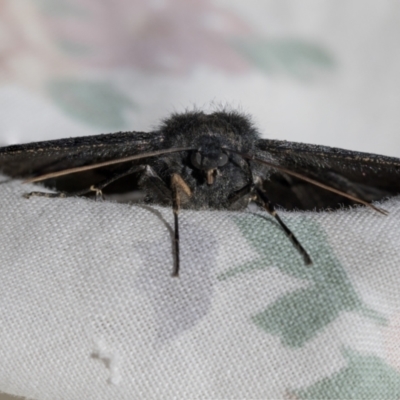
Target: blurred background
{"points": [[316, 71]]}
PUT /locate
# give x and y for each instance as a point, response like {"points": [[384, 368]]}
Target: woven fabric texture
{"points": [[89, 309]]}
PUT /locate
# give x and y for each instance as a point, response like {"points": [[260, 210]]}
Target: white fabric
{"points": [[89, 309]]}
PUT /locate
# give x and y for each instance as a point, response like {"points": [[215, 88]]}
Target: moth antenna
{"points": [[310, 180], [105, 163]]}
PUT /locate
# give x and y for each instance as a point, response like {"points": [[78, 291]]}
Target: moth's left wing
{"points": [[35, 159], [370, 177]]}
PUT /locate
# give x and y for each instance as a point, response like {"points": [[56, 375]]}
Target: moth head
{"points": [[209, 158]]}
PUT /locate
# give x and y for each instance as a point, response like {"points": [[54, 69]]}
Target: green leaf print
{"points": [[294, 57], [298, 316], [97, 103], [364, 377]]}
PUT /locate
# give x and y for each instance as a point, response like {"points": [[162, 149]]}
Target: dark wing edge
{"points": [[370, 177], [32, 159]]}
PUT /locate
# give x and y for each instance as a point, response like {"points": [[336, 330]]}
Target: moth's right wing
{"points": [[39, 158], [32, 159]]}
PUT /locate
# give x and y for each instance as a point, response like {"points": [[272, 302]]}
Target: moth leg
{"points": [[262, 198], [98, 192], [100, 186], [64, 194], [240, 195], [50, 195], [179, 187], [150, 182], [94, 188]]}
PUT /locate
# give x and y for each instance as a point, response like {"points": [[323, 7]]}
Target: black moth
{"points": [[207, 161]]}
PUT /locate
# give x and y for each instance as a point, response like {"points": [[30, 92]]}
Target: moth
{"points": [[205, 161]]}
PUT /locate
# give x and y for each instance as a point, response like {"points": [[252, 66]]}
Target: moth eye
{"points": [[196, 160], [222, 160]]}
